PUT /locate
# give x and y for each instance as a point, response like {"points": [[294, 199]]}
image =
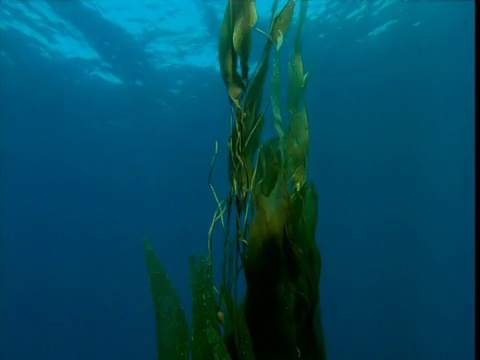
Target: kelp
{"points": [[206, 338], [170, 319], [171, 324], [281, 22], [297, 79], [235, 42], [268, 219]]}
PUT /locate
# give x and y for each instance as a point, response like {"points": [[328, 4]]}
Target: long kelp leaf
{"points": [[296, 74], [227, 56], [204, 309], [170, 319], [219, 349], [276, 92], [244, 18], [281, 22]]}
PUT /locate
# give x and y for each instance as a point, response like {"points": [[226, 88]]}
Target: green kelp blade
{"points": [[219, 349], [170, 319], [276, 95], [204, 309]]}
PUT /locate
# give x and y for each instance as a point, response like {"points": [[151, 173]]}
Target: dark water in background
{"points": [[89, 168]]}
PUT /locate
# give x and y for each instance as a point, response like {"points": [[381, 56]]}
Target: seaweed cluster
{"points": [[268, 219]]}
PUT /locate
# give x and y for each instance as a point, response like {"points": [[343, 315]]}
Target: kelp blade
{"points": [[207, 343], [219, 350], [170, 319]]}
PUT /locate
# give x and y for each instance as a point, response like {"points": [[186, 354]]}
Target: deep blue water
{"points": [[89, 168]]}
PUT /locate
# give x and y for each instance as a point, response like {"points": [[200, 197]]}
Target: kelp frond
{"points": [[268, 219], [170, 321]]}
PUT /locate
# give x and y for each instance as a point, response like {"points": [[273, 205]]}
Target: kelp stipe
{"points": [[268, 219]]}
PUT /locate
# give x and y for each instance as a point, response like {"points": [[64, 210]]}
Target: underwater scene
{"points": [[237, 179]]}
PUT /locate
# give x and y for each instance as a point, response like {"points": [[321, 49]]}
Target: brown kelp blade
{"points": [[227, 57], [297, 144], [296, 74], [281, 22], [245, 18], [250, 117], [235, 42], [297, 137]]}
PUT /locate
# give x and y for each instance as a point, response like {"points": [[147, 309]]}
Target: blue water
{"points": [[91, 164]]}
